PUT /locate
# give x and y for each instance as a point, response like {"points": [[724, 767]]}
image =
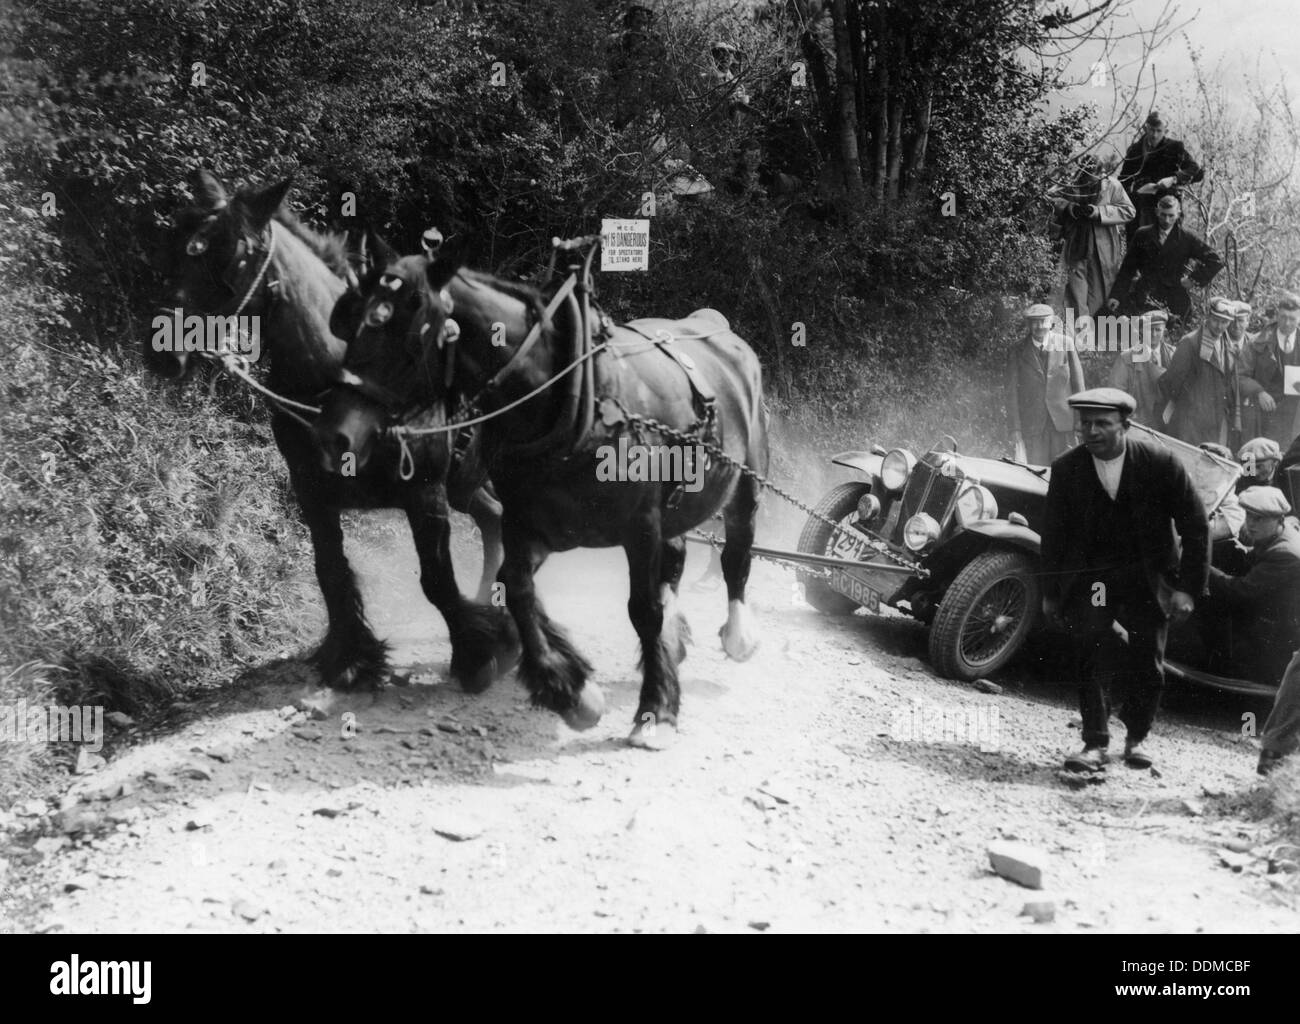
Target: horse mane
{"points": [[529, 295], [331, 248]]}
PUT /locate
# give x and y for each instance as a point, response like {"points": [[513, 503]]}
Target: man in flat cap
{"points": [[1267, 359], [1112, 574], [1201, 381], [1240, 326], [1259, 460], [1251, 621], [1043, 370], [1155, 166], [1138, 368], [1154, 271]]}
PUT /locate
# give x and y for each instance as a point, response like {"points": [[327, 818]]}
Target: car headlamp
{"points": [[896, 469], [974, 503], [920, 531]]}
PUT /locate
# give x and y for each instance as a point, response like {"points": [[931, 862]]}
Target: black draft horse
{"points": [[560, 490], [247, 254]]}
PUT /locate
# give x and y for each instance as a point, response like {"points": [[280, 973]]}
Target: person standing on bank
{"points": [[1137, 369], [1090, 213], [1202, 382], [1268, 409], [1112, 574], [1155, 267], [1155, 166], [1043, 370]]}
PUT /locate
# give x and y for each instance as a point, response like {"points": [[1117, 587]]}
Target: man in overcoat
{"points": [[1201, 382], [1090, 212], [1268, 409], [1043, 370]]}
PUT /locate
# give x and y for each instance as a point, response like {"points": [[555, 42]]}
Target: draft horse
{"points": [[556, 470], [247, 254]]}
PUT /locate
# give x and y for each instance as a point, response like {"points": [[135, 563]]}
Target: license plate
{"points": [[856, 590]]}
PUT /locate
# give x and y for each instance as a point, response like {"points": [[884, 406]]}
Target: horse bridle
{"points": [[448, 335]]}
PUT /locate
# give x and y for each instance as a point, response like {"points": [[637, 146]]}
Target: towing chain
{"points": [[714, 451]]}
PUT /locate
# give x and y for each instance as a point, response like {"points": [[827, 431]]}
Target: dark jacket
{"points": [[1205, 397], [1262, 368], [1159, 270], [1155, 494], [1170, 159], [1267, 595]]}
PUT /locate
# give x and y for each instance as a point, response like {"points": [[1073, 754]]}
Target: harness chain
{"points": [[716, 452]]}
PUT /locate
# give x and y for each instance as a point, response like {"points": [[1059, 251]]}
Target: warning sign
{"points": [[624, 244]]}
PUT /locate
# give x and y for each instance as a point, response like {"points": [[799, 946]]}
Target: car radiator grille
{"points": [[927, 491]]}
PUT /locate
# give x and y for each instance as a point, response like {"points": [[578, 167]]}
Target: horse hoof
{"points": [[739, 634], [652, 735], [344, 680], [485, 676], [587, 712]]}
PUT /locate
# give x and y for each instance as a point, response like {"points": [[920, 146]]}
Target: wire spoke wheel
{"points": [[986, 614]]}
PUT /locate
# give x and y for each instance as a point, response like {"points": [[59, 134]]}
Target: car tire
{"points": [[993, 584], [816, 539]]}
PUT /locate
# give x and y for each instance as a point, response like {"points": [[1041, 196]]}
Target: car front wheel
{"points": [[985, 615], [840, 505]]}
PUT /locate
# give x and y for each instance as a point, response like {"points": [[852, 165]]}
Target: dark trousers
{"points": [[1282, 730], [1107, 666]]}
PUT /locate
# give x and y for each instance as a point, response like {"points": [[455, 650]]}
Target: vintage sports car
{"points": [[952, 540]]}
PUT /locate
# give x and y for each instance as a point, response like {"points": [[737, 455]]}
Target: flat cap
{"points": [[1260, 448], [1104, 398], [1223, 309], [1038, 311], [1156, 316], [1264, 501], [1241, 307]]}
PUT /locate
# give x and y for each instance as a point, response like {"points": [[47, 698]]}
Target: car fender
{"points": [[1008, 533], [864, 462]]}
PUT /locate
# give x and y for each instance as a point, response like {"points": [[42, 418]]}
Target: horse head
{"points": [[398, 326], [214, 256]]}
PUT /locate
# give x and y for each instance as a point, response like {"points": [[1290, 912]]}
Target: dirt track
{"points": [[794, 797]]}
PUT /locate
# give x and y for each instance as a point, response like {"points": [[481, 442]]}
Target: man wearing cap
{"points": [[1259, 460], [1090, 212], [1251, 621], [1111, 573], [1043, 370], [1240, 326], [1153, 272], [1268, 409], [1155, 166], [1201, 381], [1137, 369]]}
